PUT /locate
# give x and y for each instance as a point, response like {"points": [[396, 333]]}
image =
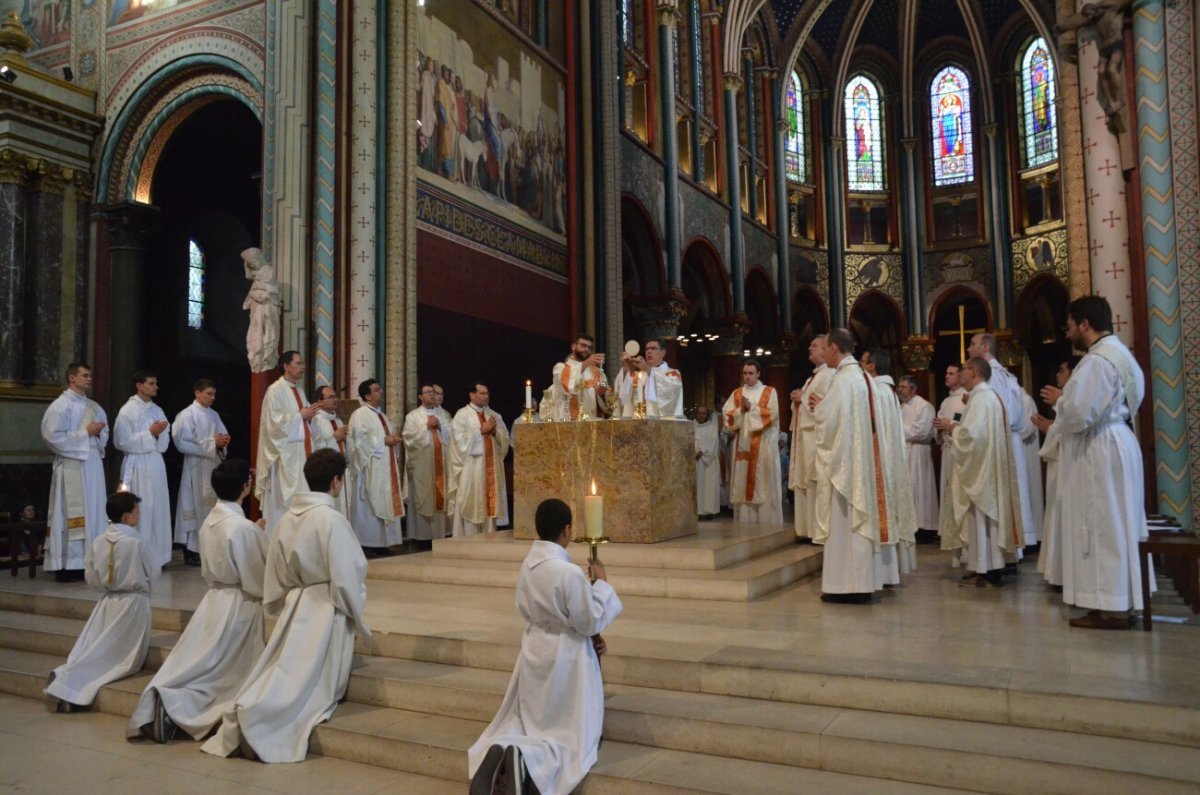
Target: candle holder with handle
{"points": [[592, 554]]}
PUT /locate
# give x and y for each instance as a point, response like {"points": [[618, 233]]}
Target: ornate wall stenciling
{"points": [[883, 272], [362, 328], [323, 189], [1046, 253], [965, 266], [810, 267]]}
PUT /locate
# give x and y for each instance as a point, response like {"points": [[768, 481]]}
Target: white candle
{"points": [[528, 395], [593, 514]]}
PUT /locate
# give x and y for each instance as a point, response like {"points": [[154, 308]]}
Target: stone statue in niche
{"points": [[262, 338], [1107, 21]]}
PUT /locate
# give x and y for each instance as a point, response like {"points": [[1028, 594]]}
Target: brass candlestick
{"points": [[594, 542], [527, 415]]}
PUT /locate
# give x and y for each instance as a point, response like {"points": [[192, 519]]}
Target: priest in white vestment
{"points": [[75, 428], [802, 479], [1100, 486], [116, 637], [376, 471], [330, 433], [899, 555], [426, 434], [224, 637], [143, 434], [848, 511], [982, 497], [479, 494], [949, 413], [1031, 442], [650, 380], [1009, 390], [315, 583], [917, 413], [548, 726], [708, 464], [579, 383], [284, 440], [752, 414], [201, 436], [1050, 556]]}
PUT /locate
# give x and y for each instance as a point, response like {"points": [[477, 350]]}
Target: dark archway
{"points": [[810, 317], [959, 309], [707, 291], [642, 274], [762, 307], [877, 322], [1040, 316], [206, 185]]}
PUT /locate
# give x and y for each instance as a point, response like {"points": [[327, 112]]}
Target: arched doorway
{"points": [[642, 275], [1041, 314], [956, 316], [877, 322], [809, 319], [707, 291], [206, 186]]}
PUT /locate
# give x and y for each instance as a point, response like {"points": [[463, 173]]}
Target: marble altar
{"points": [[645, 469]]}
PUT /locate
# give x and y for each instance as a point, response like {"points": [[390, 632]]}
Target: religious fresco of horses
{"points": [[490, 115]]}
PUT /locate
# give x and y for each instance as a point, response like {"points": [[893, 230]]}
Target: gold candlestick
{"points": [[594, 542], [527, 415]]}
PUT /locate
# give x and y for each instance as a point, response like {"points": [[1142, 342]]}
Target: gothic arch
{"points": [[956, 294], [643, 272], [762, 307], [702, 266], [877, 322]]}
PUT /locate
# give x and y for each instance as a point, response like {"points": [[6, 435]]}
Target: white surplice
{"points": [[144, 473], [1031, 441], [574, 387], [427, 454], [378, 500], [755, 484], [77, 492], [1100, 491], [316, 583], [554, 707], [322, 427], [193, 432], [661, 389], [1050, 563], [282, 437], [952, 409], [1010, 393], [479, 495], [708, 467], [899, 555], [802, 479], [918, 446], [847, 511], [116, 637], [982, 499], [224, 637]]}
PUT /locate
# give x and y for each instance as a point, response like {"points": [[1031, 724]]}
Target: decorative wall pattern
{"points": [[883, 272], [361, 330], [810, 267], [943, 268], [324, 189], [1045, 253]]}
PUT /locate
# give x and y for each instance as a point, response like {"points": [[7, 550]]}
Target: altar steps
{"points": [[716, 564], [420, 717]]}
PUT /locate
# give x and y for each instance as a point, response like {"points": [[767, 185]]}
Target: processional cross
{"points": [[962, 331]]}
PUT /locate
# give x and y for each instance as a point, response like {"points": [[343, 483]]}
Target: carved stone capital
{"points": [[733, 82], [1008, 347], [82, 181], [14, 167], [917, 352], [130, 225], [910, 144], [52, 178], [781, 125], [837, 143], [668, 13], [659, 318]]}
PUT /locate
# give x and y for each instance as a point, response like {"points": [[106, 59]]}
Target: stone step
{"points": [[435, 746], [738, 582], [952, 753], [718, 545]]}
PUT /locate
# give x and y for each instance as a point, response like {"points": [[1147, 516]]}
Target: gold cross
{"points": [[962, 331]]}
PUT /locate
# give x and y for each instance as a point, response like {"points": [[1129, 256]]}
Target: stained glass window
{"points": [[866, 164], [195, 285], [793, 109], [1039, 122], [628, 22], [950, 117]]}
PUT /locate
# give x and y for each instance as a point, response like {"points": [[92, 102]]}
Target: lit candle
{"points": [[528, 395], [593, 514]]}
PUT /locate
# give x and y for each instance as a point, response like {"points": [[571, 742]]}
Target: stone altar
{"points": [[645, 469]]}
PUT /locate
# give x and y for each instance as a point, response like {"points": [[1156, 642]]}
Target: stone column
{"points": [[783, 280], [660, 319], [365, 161], [44, 261], [836, 194], [325, 189], [727, 360], [733, 192], [1074, 187], [129, 228], [12, 265], [1001, 274], [914, 282], [1162, 262], [668, 19]]}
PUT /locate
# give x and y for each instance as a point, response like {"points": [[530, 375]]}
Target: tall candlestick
{"points": [[593, 514], [528, 395]]}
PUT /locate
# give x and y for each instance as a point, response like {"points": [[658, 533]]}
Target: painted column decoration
{"points": [[782, 228], [324, 190], [1162, 263], [1002, 277], [287, 161], [668, 18], [737, 265], [364, 149], [912, 240]]}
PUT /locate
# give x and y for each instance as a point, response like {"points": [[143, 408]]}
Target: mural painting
{"points": [[48, 22]]}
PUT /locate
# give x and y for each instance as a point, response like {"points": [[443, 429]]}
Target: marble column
{"points": [[12, 265], [129, 228], [1162, 262], [836, 194], [783, 277], [914, 282], [733, 192], [668, 19], [44, 262]]}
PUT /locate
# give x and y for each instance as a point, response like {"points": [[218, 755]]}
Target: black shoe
{"points": [[484, 779], [191, 558], [1008, 571], [847, 598], [162, 730], [512, 776]]}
